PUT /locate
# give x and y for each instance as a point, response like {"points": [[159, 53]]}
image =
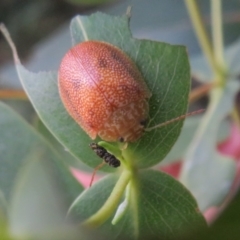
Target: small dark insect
{"points": [[108, 158]]}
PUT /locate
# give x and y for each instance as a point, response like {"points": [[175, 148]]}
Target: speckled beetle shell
{"points": [[102, 89]]}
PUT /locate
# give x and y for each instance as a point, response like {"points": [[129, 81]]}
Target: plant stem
{"points": [[217, 35], [111, 203], [134, 196], [13, 94], [201, 33], [200, 91]]}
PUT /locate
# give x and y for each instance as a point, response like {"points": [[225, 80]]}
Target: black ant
{"points": [[108, 158]]}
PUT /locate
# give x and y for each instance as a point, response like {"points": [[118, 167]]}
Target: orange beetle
{"points": [[103, 90]]}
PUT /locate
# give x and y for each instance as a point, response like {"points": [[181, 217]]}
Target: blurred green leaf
{"points": [[23, 108], [15, 144], [166, 210], [39, 201], [165, 69], [4, 233], [3, 206], [36, 184], [205, 172], [187, 134]]}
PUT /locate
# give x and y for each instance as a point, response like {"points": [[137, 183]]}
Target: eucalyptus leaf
{"points": [[3, 206], [171, 209], [15, 144], [165, 69], [205, 172], [23, 108], [187, 134], [166, 210], [38, 206], [4, 233], [68, 158], [46, 181]]}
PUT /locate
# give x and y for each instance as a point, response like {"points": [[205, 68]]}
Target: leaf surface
{"points": [[36, 186], [166, 210]]}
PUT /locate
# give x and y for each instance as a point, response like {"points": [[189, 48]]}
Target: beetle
{"points": [[104, 92]]}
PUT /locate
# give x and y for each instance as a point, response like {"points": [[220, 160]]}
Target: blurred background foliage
{"points": [[39, 27]]}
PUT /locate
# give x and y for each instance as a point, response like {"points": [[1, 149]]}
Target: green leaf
{"points": [[15, 144], [40, 200], [205, 172], [168, 205], [68, 158], [34, 181], [165, 69], [4, 233], [23, 108], [3, 204], [165, 209], [19, 141]]}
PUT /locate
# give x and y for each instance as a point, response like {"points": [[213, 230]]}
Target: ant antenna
{"points": [[173, 120]]}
